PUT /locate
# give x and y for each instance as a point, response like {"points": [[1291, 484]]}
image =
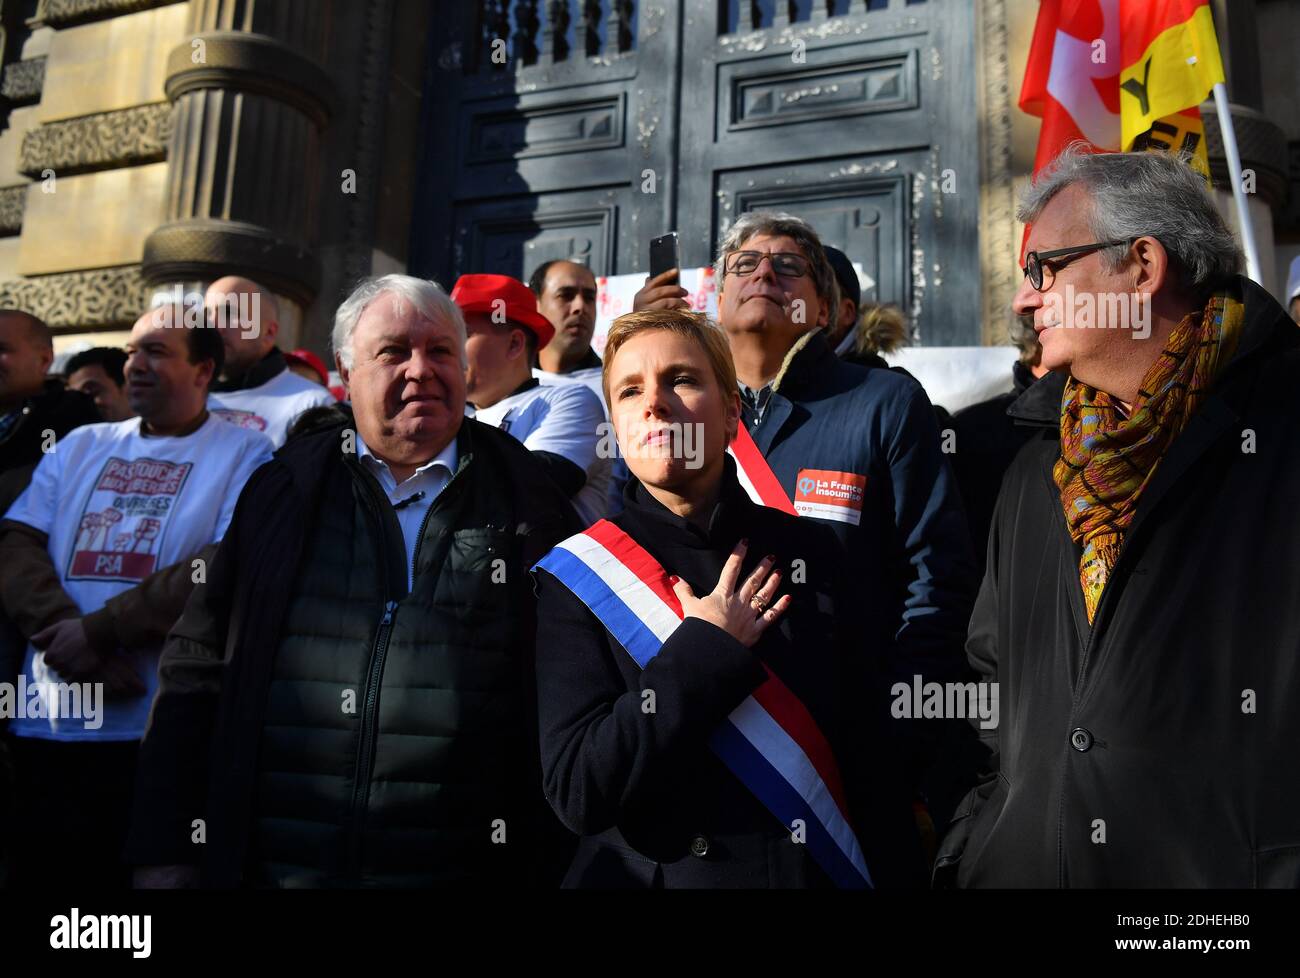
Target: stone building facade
{"points": [[151, 144]]}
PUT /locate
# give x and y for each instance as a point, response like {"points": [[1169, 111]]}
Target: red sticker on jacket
{"points": [[830, 495]]}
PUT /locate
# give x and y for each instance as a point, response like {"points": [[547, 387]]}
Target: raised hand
{"points": [[661, 292]]}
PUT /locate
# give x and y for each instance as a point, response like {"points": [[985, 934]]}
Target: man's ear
{"points": [[1151, 265], [47, 359], [518, 344], [823, 312], [344, 372], [207, 373]]}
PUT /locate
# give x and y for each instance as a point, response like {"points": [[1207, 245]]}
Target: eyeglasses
{"points": [[1058, 259], [784, 263]]}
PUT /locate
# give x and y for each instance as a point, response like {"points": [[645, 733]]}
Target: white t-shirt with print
{"points": [[589, 377], [566, 420], [117, 506], [593, 379], [271, 407]]}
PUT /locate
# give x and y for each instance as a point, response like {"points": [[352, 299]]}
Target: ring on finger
{"points": [[758, 604]]}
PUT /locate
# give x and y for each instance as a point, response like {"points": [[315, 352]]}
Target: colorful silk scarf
{"points": [[1107, 460]]}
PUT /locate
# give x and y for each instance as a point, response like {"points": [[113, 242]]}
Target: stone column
{"points": [[1261, 142], [251, 102]]}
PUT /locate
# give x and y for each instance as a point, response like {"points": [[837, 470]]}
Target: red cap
{"points": [[311, 360], [478, 293]]}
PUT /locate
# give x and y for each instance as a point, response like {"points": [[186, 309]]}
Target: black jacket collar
{"points": [[805, 365], [1040, 404], [647, 519], [269, 367]]}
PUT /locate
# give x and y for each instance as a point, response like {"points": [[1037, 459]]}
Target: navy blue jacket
{"points": [[910, 556]]}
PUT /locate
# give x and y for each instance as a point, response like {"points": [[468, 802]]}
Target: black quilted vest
{"points": [[391, 750]]}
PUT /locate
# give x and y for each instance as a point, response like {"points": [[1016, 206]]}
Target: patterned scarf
{"points": [[1107, 460]]}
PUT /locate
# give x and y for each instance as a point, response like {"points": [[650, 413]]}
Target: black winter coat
{"points": [[655, 807], [55, 409], [1158, 747], [987, 442], [437, 762]]}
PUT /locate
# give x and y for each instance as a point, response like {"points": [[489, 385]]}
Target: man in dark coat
{"points": [[988, 440], [348, 700], [32, 406], [35, 411], [1138, 610]]}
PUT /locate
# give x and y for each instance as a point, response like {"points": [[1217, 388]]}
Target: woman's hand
{"points": [[744, 614]]}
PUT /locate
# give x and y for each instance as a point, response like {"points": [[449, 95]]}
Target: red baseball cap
{"points": [[481, 293], [307, 358]]}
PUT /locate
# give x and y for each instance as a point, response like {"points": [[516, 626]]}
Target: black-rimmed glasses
{"points": [[787, 264], [1058, 259]]}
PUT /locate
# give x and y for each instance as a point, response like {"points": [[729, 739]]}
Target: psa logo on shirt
{"points": [[124, 519]]}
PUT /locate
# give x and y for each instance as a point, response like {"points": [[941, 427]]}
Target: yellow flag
{"points": [[1171, 62]]}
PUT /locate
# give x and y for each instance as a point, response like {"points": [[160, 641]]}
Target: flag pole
{"points": [[1238, 191]]}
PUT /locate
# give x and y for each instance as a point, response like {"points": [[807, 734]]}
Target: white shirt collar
{"points": [[448, 458]]}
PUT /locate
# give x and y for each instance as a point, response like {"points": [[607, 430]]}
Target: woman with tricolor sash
{"points": [[705, 719]]}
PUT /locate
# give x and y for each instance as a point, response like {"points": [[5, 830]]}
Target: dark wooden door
{"points": [[858, 115], [555, 148]]}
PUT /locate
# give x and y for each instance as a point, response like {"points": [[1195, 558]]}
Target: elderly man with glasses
{"points": [[1139, 605], [855, 448]]}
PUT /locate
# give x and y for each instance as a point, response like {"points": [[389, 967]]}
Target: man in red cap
{"points": [[562, 425]]}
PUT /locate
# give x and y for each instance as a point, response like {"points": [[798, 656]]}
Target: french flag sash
{"points": [[756, 475], [770, 741]]}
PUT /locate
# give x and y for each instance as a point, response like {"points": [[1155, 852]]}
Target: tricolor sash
{"points": [[770, 741], [756, 475]]}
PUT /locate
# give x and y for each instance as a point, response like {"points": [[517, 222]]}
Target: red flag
{"points": [[1072, 78]]}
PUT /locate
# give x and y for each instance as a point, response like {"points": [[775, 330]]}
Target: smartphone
{"points": [[663, 254]]}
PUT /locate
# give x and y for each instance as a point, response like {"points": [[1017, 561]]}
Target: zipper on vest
{"points": [[369, 722], [419, 539]]}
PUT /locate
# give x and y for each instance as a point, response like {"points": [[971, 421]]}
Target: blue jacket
{"points": [[910, 555]]}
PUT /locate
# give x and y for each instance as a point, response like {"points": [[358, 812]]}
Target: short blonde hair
{"points": [[693, 325]]}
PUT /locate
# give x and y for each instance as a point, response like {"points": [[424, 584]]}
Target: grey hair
{"points": [[1147, 194], [425, 295], [779, 224]]}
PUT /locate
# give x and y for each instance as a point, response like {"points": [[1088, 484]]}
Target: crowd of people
{"points": [[502, 611]]}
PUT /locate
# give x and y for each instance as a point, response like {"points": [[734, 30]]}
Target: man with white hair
{"points": [[1138, 611], [256, 389], [360, 657]]}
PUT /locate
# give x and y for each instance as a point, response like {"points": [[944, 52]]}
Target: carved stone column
{"points": [[251, 101]]}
